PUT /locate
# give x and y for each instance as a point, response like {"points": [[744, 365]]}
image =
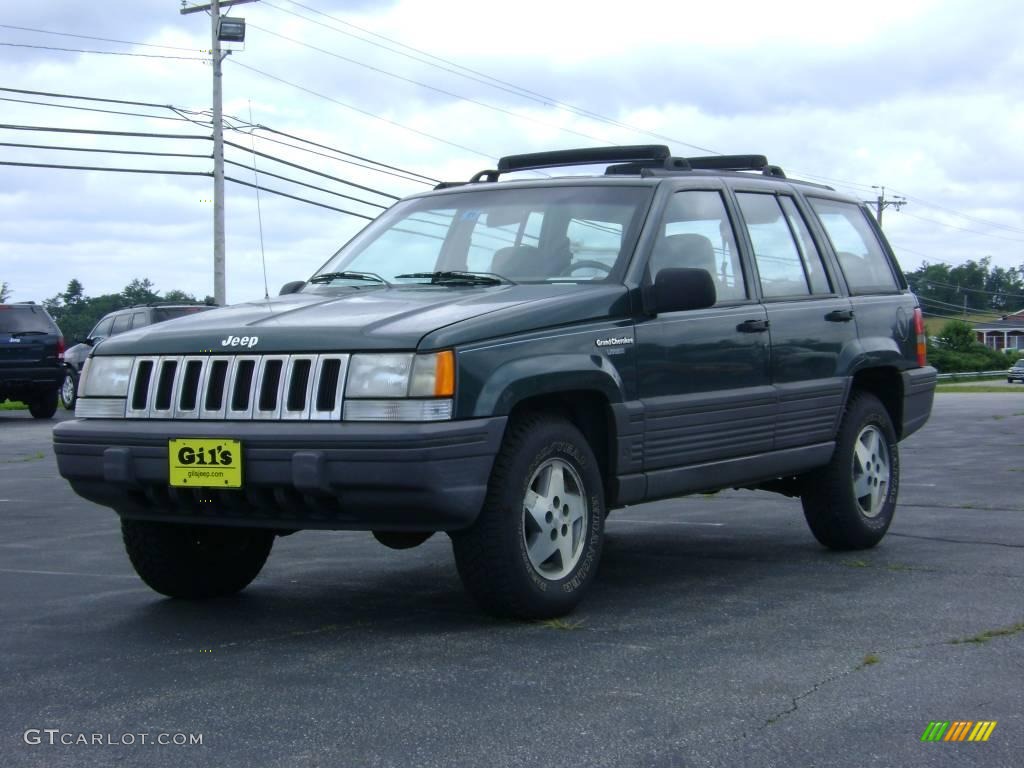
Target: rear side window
{"points": [[19, 319], [859, 252], [696, 233], [139, 319], [121, 323]]}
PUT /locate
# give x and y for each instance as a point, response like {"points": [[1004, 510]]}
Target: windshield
{"points": [[549, 234]]}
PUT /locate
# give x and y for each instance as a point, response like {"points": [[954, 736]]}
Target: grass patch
{"points": [[988, 634], [870, 659], [13, 405], [33, 457], [856, 563], [564, 625]]}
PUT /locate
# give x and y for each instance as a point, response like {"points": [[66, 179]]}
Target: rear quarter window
{"points": [[860, 254]]}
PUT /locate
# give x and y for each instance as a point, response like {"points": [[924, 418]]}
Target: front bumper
{"points": [[342, 476]]}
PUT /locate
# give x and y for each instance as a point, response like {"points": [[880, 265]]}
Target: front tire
{"points": [[534, 549], [195, 561], [850, 502]]}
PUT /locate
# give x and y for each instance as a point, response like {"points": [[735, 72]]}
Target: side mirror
{"points": [[293, 287], [92, 341], [681, 289]]}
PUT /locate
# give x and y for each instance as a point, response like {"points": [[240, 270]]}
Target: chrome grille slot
{"points": [[188, 386], [140, 388], [241, 383], [238, 387], [214, 388], [165, 379], [269, 386], [329, 380], [298, 387]]}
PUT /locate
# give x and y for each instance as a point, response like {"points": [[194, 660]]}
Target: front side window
{"points": [[860, 255], [549, 234], [102, 329], [696, 233]]}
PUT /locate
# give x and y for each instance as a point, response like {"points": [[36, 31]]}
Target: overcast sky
{"points": [[926, 98]]}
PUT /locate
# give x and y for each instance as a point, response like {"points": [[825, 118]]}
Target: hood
{"points": [[397, 318]]}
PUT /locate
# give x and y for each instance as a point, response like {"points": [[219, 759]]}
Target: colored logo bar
{"points": [[958, 730]]}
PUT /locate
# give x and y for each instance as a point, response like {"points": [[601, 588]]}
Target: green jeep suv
{"points": [[506, 361]]}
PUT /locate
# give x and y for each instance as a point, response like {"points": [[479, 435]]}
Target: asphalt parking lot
{"points": [[719, 633]]}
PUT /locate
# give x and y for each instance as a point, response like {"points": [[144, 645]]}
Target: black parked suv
{"points": [[111, 324], [31, 348], [507, 361]]}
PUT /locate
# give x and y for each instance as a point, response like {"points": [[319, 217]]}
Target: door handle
{"points": [[840, 316], [752, 326]]}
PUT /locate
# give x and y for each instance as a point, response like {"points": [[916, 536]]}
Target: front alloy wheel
{"points": [[554, 519]]}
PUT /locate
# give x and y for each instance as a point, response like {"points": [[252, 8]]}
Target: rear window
{"points": [[18, 319]]}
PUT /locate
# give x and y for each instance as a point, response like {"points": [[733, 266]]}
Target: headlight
{"points": [[401, 375], [105, 377], [382, 387]]}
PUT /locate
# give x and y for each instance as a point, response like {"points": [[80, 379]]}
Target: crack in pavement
{"points": [[957, 541]]}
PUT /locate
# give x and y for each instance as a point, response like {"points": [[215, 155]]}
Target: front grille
{"points": [[237, 387]]}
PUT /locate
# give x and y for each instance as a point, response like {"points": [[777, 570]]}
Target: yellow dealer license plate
{"points": [[205, 463]]}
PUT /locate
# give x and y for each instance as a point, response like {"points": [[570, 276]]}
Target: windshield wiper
{"points": [[328, 277], [458, 276]]}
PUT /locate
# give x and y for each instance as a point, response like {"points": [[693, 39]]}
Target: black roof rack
{"points": [[638, 159]]}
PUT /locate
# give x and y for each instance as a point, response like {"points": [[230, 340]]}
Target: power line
{"points": [[304, 184], [93, 109], [296, 197], [963, 215], [363, 111], [51, 129], [475, 75], [105, 53], [349, 154], [929, 281], [181, 111], [102, 39], [965, 229], [310, 170], [104, 151], [419, 84], [100, 168]]}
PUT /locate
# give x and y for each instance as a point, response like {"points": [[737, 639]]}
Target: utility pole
{"points": [[217, 58], [897, 202]]}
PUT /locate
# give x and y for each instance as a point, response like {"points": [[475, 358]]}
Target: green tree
{"points": [[5, 291], [958, 336], [140, 292], [176, 295]]}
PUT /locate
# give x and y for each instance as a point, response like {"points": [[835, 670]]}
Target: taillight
{"points": [[61, 347], [922, 341]]}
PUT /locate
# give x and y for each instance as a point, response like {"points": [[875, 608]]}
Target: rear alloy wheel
{"points": [[195, 561], [44, 405], [534, 549], [69, 390], [850, 503]]}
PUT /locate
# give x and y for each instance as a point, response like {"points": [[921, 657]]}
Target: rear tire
{"points": [[195, 561], [850, 502], [535, 547], [43, 405]]}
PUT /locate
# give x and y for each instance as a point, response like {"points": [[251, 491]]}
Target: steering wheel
{"points": [[586, 264]]}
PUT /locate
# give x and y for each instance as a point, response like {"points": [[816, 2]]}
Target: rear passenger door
{"points": [[702, 374], [810, 322]]}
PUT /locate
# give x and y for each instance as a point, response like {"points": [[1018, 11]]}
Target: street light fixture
{"points": [[231, 30]]}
